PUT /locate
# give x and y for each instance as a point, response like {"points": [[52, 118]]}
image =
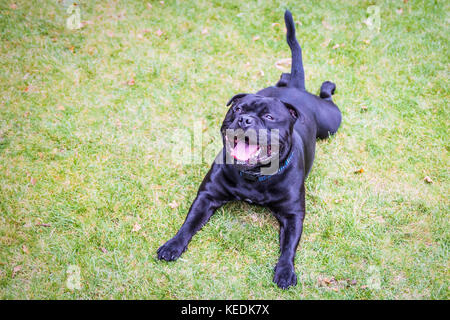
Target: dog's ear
{"points": [[238, 96], [294, 113]]}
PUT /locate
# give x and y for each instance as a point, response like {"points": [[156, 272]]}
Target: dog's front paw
{"points": [[171, 250], [285, 276]]}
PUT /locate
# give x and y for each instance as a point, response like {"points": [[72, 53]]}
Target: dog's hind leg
{"points": [[328, 115], [284, 80], [327, 90]]}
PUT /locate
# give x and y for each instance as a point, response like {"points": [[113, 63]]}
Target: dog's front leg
{"points": [[208, 200], [291, 227]]}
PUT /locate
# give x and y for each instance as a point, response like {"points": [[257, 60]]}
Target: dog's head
{"points": [[257, 130]]}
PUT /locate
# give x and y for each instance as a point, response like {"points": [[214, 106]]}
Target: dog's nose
{"points": [[245, 121]]}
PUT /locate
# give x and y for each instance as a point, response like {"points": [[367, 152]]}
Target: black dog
{"points": [[300, 118]]}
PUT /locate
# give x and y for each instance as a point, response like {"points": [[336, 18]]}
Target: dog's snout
{"points": [[245, 121]]}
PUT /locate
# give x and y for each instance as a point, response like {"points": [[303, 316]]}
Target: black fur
{"points": [[300, 117]]}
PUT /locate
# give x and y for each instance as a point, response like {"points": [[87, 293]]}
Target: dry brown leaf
{"points": [[173, 204], [25, 249], [283, 64], [43, 224], [427, 179], [326, 42], [15, 270], [85, 23], [136, 227]]}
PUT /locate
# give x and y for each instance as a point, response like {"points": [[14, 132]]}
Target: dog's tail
{"points": [[297, 73]]}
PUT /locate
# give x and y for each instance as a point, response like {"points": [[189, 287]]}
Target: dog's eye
{"points": [[268, 116], [237, 109]]}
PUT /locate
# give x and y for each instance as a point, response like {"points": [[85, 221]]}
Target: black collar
{"points": [[254, 176]]}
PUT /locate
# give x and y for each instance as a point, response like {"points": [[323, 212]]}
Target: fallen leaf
{"points": [[255, 38], [25, 249], [173, 204], [43, 224], [136, 227], [359, 171], [326, 25], [283, 64], [85, 23], [326, 42], [427, 179], [15, 270]]}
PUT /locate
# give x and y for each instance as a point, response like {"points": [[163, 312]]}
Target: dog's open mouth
{"points": [[246, 152]]}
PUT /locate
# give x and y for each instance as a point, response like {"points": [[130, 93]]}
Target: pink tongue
{"points": [[243, 151]]}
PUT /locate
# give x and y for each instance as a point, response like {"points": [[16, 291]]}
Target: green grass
{"points": [[90, 155]]}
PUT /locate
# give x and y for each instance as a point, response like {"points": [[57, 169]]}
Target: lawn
{"points": [[97, 125]]}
